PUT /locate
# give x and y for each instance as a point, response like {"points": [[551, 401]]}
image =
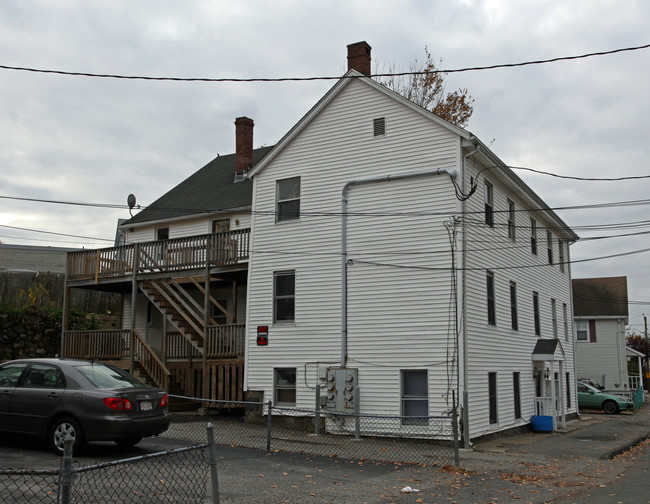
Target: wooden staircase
{"points": [[180, 308]]}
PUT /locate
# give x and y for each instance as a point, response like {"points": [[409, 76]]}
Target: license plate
{"points": [[145, 406]]}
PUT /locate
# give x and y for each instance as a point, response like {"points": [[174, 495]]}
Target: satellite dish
{"points": [[130, 200]]}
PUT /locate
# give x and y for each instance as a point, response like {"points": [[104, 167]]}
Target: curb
{"points": [[626, 447]]}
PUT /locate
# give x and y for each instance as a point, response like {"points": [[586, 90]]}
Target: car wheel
{"points": [[59, 432], [128, 442], [610, 407]]}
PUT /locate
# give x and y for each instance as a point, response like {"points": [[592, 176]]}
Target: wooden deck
{"points": [[188, 253]]}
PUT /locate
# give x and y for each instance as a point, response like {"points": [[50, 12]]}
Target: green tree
{"points": [[425, 86]]}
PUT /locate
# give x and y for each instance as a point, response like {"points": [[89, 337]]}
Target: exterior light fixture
{"points": [[547, 374]]}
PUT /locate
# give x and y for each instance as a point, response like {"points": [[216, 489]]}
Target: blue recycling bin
{"points": [[542, 423]]}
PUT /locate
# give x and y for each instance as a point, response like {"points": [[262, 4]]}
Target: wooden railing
{"points": [[189, 252], [147, 358], [101, 345], [635, 382], [177, 347], [226, 341]]}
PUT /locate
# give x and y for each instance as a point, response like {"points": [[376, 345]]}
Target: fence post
{"points": [[268, 426], [454, 424], [66, 471], [212, 453], [317, 411]]}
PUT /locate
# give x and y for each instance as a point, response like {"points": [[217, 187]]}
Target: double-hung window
{"points": [[516, 389], [287, 197], [533, 236], [489, 204], [538, 330], [492, 395], [491, 303], [415, 397], [561, 259], [554, 317], [511, 220], [284, 386], [566, 322], [586, 330], [284, 296], [514, 319], [549, 246]]}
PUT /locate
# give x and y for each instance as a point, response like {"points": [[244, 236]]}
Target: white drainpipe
{"points": [[344, 259]]}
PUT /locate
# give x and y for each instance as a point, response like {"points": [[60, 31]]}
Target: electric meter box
{"points": [[342, 389]]}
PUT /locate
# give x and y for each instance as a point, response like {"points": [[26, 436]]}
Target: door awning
{"points": [[548, 350]]}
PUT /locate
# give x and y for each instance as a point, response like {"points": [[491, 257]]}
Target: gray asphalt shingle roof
{"points": [[210, 189]]}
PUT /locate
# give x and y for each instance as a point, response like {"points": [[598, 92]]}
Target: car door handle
{"points": [[7, 392], [52, 395]]}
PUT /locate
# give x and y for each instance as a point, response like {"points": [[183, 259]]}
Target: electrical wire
{"points": [[285, 79], [57, 234]]}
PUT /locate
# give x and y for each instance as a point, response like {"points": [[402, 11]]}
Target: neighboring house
{"points": [[387, 247], [33, 258], [600, 311], [394, 245], [182, 273]]}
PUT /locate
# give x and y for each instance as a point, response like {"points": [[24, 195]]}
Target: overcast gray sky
{"points": [[83, 139]]}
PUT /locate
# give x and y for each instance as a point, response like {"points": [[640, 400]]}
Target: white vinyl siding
{"points": [[394, 307], [508, 351], [400, 302]]}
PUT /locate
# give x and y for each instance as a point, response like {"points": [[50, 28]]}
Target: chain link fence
{"points": [[417, 440], [179, 475], [29, 486]]}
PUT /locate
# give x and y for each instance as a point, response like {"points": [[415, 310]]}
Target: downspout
{"points": [[344, 259], [467, 443]]}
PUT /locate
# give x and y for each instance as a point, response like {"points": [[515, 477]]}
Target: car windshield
{"points": [[108, 377], [591, 389]]}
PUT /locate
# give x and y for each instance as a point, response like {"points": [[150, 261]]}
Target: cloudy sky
{"points": [[94, 140]]}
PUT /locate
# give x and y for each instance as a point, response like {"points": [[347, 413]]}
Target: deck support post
{"points": [[134, 298], [206, 322]]}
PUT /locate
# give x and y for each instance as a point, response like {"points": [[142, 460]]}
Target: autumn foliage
{"points": [[424, 86]]}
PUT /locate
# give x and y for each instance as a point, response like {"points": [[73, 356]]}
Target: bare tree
{"points": [[424, 86]]}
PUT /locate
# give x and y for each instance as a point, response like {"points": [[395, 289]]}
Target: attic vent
{"points": [[379, 126]]}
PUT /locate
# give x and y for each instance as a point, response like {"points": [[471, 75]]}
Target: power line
{"points": [[75, 203], [57, 234], [285, 79]]}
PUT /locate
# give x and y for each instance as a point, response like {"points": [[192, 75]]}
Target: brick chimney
{"points": [[243, 144], [359, 57]]}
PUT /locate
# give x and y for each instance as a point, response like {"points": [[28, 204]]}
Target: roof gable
{"points": [[331, 94]]}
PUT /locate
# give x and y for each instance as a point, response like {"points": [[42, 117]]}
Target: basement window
{"points": [[379, 126]]}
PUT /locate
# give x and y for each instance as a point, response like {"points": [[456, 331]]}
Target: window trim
{"points": [[277, 388], [561, 258], [549, 246], [277, 297], [554, 317], [288, 216]]}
